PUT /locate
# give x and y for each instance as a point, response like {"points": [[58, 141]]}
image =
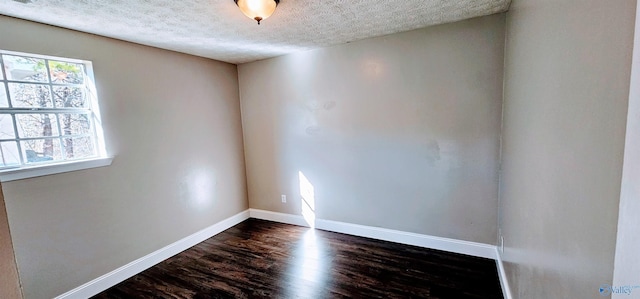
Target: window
{"points": [[48, 111]]}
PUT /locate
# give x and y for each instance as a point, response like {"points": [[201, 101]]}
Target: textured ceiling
{"points": [[217, 29]]}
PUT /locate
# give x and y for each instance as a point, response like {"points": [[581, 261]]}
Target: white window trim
{"points": [[8, 175]]}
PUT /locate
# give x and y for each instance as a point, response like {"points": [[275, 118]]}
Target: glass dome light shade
{"points": [[257, 9]]}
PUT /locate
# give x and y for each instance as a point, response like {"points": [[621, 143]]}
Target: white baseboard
{"points": [[426, 241], [278, 217], [504, 282], [118, 275]]}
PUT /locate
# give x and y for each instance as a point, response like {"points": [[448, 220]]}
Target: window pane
{"points": [[69, 97], [1, 73], [9, 154], [25, 68], [6, 127], [30, 95], [66, 72], [75, 124], [37, 125], [4, 102], [41, 150], [81, 147]]}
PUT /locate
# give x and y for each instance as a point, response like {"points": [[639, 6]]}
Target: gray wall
{"points": [[400, 131], [627, 262], [9, 281], [567, 72], [173, 123]]}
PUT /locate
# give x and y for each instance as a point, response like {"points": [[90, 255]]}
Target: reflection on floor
{"points": [[263, 259]]}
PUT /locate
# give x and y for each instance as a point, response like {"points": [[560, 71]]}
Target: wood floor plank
{"points": [[263, 259]]}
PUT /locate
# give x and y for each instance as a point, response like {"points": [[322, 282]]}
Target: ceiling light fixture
{"points": [[257, 9]]}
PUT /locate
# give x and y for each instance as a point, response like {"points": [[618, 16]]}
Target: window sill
{"points": [[42, 170]]}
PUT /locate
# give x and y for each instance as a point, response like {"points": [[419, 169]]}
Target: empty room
{"points": [[319, 149]]}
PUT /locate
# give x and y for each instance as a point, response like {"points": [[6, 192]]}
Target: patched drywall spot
{"points": [[329, 105], [312, 130], [432, 152]]}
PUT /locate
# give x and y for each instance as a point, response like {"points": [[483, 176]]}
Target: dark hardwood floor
{"points": [[263, 259]]}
